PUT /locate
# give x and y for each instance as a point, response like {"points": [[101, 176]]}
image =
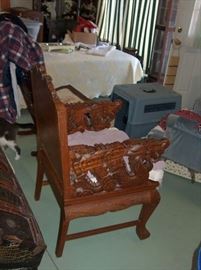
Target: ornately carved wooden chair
{"points": [[94, 179]]}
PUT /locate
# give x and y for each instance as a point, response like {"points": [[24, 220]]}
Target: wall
{"points": [[21, 3], [188, 79]]}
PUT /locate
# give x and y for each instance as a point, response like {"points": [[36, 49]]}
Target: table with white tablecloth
{"points": [[93, 75]]}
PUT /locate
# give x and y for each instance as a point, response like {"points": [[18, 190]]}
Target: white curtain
{"points": [[128, 24]]}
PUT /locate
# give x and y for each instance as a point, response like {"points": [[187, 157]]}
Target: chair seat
{"points": [[107, 135]]}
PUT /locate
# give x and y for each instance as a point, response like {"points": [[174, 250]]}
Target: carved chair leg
{"points": [[39, 179], [63, 228], [146, 211]]}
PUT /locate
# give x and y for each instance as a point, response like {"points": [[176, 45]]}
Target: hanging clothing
{"points": [[17, 47]]}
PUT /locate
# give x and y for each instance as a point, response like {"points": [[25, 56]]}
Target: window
{"points": [[129, 24]]}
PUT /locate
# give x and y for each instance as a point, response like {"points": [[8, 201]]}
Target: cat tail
{"points": [[25, 126]]}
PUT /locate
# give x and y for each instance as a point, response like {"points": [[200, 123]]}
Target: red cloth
{"points": [[82, 23], [184, 113]]}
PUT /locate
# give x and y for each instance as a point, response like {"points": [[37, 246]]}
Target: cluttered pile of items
{"points": [[84, 36]]}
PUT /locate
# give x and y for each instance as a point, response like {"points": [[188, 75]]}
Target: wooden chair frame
{"points": [[56, 161]]}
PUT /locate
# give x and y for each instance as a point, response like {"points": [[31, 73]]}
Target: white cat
{"points": [[8, 133]]}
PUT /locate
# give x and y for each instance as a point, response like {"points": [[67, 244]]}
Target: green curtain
{"points": [[128, 24]]}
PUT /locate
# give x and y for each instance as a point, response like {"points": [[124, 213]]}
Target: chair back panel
{"points": [[50, 125]]}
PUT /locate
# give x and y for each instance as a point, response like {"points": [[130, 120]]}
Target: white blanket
{"points": [[93, 75], [101, 50]]}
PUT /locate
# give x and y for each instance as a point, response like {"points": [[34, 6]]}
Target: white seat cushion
{"points": [[107, 135]]}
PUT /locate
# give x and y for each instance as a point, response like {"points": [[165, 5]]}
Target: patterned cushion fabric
{"points": [[21, 242]]}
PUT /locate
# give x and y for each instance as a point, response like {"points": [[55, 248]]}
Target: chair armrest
{"points": [[74, 91], [114, 166], [84, 113], [91, 115]]}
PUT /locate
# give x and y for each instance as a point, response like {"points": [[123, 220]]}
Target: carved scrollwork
{"points": [[91, 115], [109, 167]]}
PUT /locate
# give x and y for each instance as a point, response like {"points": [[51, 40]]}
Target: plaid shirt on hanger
{"points": [[18, 47]]}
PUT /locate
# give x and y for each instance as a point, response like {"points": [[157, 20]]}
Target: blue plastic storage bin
{"points": [[144, 104]]}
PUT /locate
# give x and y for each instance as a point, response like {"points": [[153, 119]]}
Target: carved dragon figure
{"points": [[113, 166]]}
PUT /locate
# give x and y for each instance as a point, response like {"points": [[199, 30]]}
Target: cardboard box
{"points": [[88, 38]]}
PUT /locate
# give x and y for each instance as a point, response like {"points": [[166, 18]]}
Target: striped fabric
{"points": [[128, 24]]}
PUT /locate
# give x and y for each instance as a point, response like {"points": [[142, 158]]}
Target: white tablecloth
{"points": [[93, 75]]}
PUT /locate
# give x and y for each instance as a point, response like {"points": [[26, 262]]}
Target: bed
{"points": [[93, 75]]}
